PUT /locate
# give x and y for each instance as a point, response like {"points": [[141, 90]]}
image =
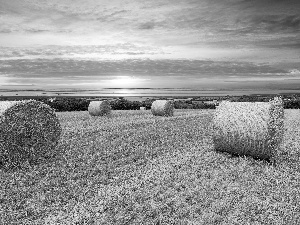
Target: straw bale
{"points": [[253, 129], [99, 108], [162, 108], [29, 130]]}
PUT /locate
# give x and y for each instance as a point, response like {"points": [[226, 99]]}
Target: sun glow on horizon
{"points": [[125, 82]]}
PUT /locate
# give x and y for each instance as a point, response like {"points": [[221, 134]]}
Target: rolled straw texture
{"points": [[253, 129], [99, 108], [28, 130], [162, 108]]}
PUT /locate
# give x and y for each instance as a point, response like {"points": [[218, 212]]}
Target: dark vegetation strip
{"points": [[62, 104]]}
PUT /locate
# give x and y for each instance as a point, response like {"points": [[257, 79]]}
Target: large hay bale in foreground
{"points": [[162, 108], [253, 129], [29, 130], [99, 108]]}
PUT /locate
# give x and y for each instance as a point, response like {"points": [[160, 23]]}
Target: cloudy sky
{"points": [[200, 44]]}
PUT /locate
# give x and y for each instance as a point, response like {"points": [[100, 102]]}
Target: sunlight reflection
{"points": [[125, 82]]}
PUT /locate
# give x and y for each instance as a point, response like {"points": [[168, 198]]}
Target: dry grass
{"points": [[29, 130], [152, 170], [254, 129], [162, 108], [99, 108]]}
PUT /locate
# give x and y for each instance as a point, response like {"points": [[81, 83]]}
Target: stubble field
{"points": [[134, 168]]}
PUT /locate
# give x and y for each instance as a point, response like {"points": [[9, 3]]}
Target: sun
{"points": [[124, 82]]}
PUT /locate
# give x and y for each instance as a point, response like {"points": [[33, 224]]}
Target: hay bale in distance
{"points": [[29, 130], [99, 108], [162, 108], [253, 129]]}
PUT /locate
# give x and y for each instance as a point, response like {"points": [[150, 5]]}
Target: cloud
{"points": [[118, 12], [280, 42], [185, 14], [72, 68], [78, 51], [5, 30], [147, 26], [275, 23], [193, 25], [35, 30], [58, 72], [294, 72]]}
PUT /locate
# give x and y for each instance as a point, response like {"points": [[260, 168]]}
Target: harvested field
{"points": [[134, 168]]}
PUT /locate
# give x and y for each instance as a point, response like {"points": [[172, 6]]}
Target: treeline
{"points": [[193, 105], [292, 104], [62, 104], [73, 104]]}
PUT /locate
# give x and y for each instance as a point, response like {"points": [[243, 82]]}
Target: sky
{"points": [[198, 44]]}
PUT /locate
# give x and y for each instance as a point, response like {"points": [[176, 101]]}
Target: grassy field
{"points": [[134, 168]]}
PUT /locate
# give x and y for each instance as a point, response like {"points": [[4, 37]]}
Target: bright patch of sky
{"points": [[162, 43]]}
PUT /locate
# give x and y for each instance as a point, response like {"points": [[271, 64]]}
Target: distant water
{"points": [[122, 92]]}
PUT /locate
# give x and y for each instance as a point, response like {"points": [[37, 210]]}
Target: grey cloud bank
{"points": [[229, 42]]}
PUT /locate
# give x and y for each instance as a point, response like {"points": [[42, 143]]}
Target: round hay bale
{"points": [[99, 108], [162, 108], [28, 130], [253, 129]]}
